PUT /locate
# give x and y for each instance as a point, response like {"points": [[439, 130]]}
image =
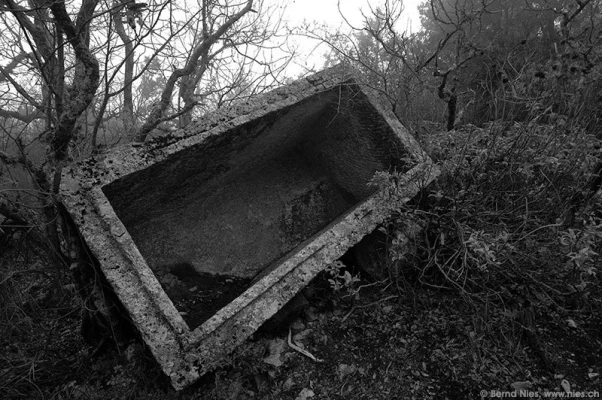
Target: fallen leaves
{"points": [[305, 394], [276, 348]]}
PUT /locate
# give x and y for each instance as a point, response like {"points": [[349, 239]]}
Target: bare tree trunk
{"points": [[187, 88], [85, 85], [452, 103], [128, 103], [451, 99]]}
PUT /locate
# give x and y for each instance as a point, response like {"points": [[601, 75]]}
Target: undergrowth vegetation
{"points": [[40, 340], [514, 226], [503, 193]]}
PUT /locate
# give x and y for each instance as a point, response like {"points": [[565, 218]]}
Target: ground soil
{"points": [[397, 340]]}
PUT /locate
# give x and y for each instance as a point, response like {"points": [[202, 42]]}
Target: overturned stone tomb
{"points": [[206, 233]]}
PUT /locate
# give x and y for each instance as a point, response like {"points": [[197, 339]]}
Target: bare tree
{"points": [[394, 62]]}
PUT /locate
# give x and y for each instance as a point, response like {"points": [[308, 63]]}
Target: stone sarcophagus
{"points": [[205, 233]]}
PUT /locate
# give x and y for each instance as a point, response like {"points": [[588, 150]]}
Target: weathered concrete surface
{"points": [[274, 190]]}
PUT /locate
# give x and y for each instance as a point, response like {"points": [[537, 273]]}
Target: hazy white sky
{"points": [[327, 11]]}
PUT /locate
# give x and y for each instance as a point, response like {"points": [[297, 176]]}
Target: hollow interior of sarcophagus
{"points": [[214, 215]]}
